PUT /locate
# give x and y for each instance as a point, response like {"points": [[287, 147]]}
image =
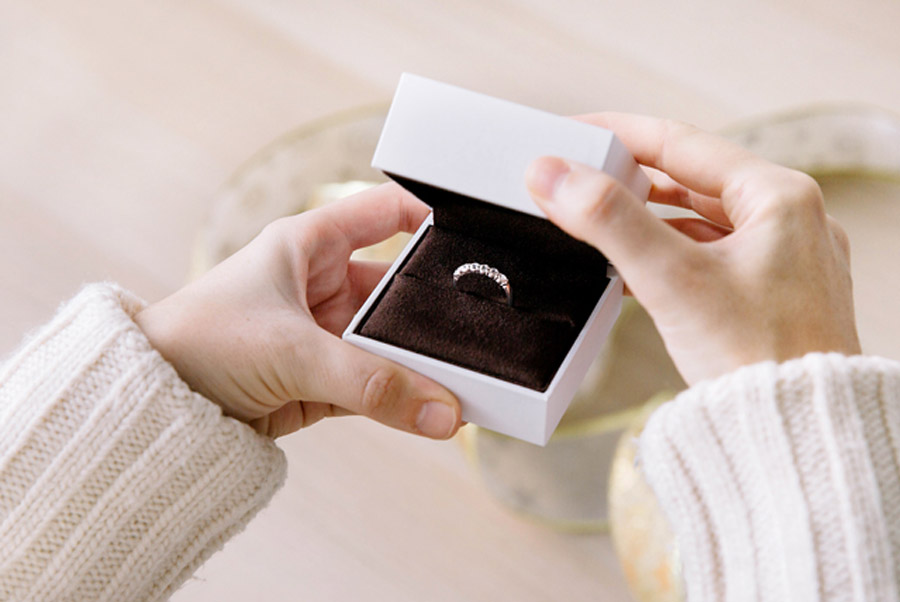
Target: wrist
{"points": [[168, 332]]}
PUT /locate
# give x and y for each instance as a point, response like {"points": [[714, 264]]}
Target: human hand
{"points": [[766, 274], [259, 333]]}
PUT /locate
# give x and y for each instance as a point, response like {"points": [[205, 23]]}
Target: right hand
{"points": [[766, 274]]}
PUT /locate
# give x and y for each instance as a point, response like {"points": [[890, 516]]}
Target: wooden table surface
{"points": [[119, 120]]}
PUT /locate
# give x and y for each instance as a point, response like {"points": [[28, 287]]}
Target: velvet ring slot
{"points": [[420, 310]]}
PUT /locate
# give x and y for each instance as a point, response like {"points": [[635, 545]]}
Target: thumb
{"points": [[596, 208], [368, 385]]}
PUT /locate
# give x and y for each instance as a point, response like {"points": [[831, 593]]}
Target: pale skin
{"points": [[762, 274], [259, 334]]}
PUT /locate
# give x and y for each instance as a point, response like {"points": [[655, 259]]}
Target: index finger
{"points": [[376, 214], [703, 162]]}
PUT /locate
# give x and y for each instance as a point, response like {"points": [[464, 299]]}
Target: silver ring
{"points": [[485, 270]]}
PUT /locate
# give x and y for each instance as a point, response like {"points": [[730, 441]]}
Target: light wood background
{"points": [[119, 120]]}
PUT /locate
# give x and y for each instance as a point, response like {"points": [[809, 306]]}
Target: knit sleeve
{"points": [[116, 480], [782, 481]]}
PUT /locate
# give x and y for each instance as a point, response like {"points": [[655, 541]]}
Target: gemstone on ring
{"points": [[482, 269]]}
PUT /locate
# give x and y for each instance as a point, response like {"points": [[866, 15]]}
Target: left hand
{"points": [[259, 334]]}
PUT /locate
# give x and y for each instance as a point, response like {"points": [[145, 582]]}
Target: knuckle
{"points": [[804, 186], [839, 234], [800, 192], [789, 195], [280, 233], [293, 230], [673, 135], [381, 388], [300, 416], [277, 228], [678, 129], [603, 201]]}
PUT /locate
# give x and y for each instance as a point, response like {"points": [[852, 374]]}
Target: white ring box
{"points": [[465, 154]]}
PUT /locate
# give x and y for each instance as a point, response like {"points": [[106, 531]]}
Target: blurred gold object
{"points": [[641, 535], [303, 169], [826, 140]]}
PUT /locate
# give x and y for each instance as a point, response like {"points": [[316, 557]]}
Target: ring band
{"points": [[485, 270]]}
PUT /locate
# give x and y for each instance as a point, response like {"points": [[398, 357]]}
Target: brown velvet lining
{"points": [[556, 283]]}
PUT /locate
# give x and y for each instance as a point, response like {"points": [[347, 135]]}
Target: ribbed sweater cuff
{"points": [[118, 481], [782, 481]]}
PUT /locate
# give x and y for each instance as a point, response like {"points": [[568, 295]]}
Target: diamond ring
{"points": [[487, 271]]}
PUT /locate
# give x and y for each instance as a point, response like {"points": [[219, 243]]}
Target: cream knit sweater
{"points": [[781, 482], [117, 480]]}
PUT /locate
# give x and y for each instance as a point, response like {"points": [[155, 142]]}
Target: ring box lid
{"points": [[475, 146]]}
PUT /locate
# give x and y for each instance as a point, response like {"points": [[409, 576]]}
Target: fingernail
{"points": [[544, 176], [436, 420]]}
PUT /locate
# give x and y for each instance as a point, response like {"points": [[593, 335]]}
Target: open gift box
{"points": [[514, 362]]}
